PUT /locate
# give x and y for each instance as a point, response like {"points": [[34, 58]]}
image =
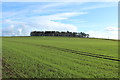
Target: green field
{"points": [[59, 57]]}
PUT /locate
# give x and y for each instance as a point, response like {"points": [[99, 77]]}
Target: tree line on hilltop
{"points": [[57, 33]]}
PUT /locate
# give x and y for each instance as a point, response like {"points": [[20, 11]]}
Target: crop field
{"points": [[59, 57]]}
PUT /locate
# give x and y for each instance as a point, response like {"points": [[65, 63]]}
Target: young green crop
{"points": [[45, 57]]}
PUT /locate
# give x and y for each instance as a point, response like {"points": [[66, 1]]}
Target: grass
{"points": [[59, 57]]}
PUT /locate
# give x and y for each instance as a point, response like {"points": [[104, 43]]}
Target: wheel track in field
{"points": [[74, 51], [83, 53]]}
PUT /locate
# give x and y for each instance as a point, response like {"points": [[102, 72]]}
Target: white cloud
{"points": [[30, 10], [57, 26], [102, 34], [8, 21], [24, 30], [16, 30], [111, 28], [108, 32], [54, 5], [60, 16], [48, 22], [39, 23], [112, 32]]}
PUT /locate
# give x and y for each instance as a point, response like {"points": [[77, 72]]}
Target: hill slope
{"points": [[59, 57]]}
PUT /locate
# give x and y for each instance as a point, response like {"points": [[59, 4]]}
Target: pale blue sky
{"points": [[95, 18]]}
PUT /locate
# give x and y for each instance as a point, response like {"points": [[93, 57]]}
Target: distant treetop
{"points": [[57, 33]]}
